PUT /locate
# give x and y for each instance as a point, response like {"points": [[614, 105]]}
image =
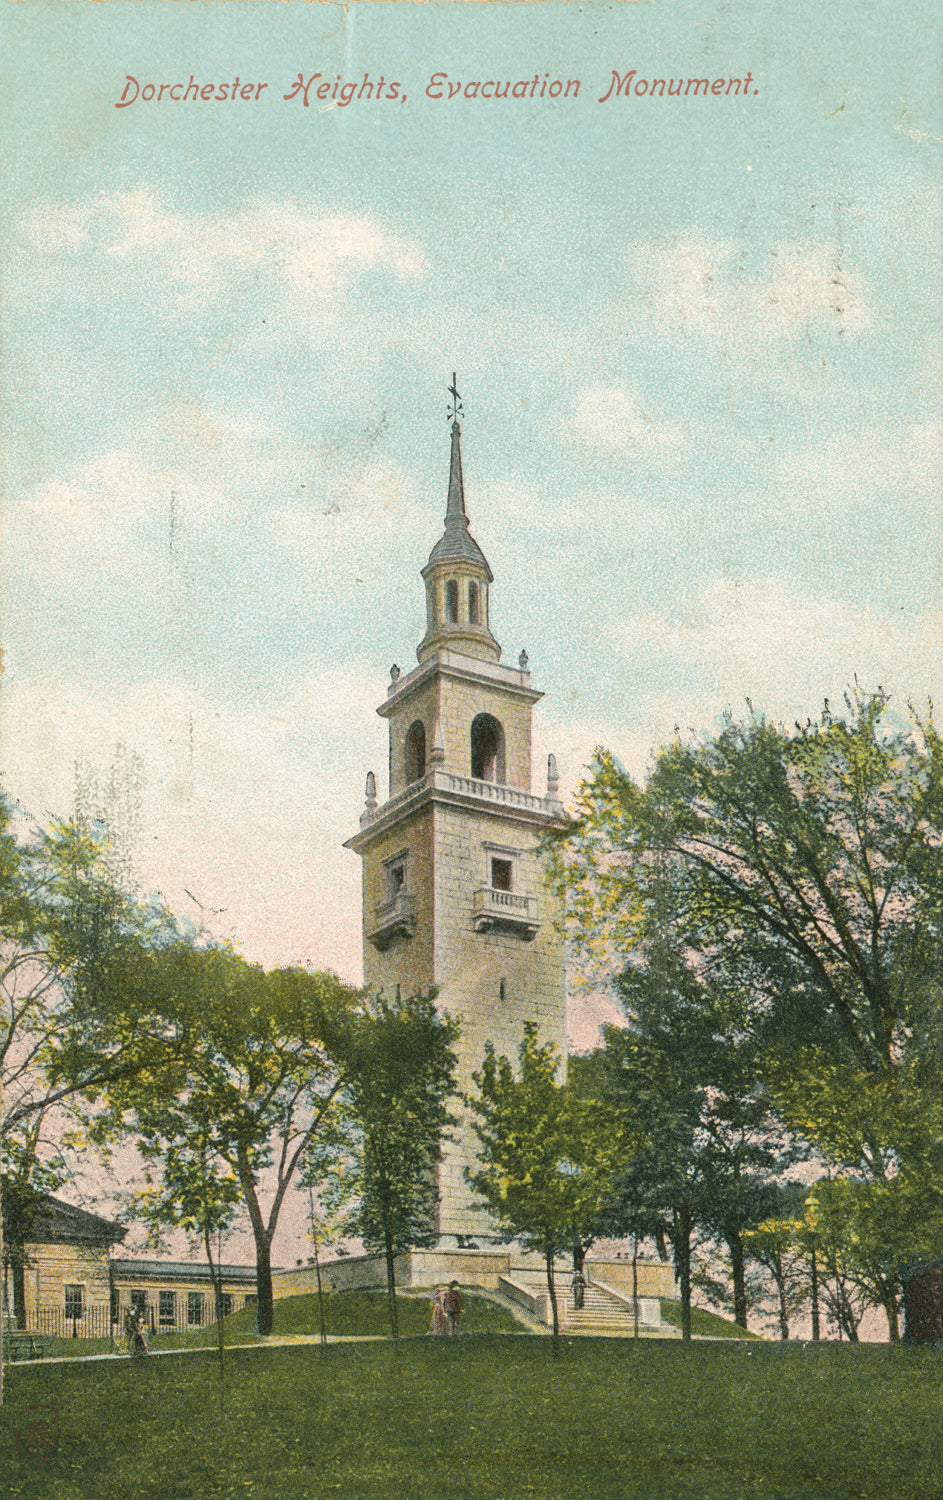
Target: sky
{"points": [[697, 340]]}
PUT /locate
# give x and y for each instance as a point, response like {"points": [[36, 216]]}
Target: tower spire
{"points": [[455, 514], [457, 574]]}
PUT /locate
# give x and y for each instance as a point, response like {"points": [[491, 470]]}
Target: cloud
{"points": [[611, 419], [312, 254], [803, 286], [698, 285], [759, 638], [680, 279]]}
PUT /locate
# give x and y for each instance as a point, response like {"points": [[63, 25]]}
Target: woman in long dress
{"points": [[440, 1322]]}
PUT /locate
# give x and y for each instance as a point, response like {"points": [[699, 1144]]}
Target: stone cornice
{"points": [[463, 669]]}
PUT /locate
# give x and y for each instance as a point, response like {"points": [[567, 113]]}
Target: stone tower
{"points": [[453, 894]]}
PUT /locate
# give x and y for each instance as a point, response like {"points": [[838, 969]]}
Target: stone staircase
{"points": [[603, 1313]]}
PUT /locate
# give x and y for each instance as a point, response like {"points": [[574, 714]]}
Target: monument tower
{"points": [[453, 893]]}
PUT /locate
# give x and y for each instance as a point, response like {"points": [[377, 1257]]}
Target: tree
{"points": [[655, 1184], [255, 1075], [190, 1187], [687, 1067], [778, 1244], [399, 1071], [548, 1153], [70, 939], [800, 869]]}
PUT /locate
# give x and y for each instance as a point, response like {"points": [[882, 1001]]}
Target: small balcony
{"points": [[505, 912], [396, 918]]}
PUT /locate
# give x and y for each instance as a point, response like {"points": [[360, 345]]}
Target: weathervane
{"points": [[455, 410]]}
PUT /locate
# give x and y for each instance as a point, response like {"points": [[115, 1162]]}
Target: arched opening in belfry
{"points": [[451, 601], [487, 749], [474, 605], [415, 752]]}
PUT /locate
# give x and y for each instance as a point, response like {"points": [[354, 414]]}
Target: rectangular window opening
{"points": [[395, 877], [195, 1309], [501, 874], [74, 1301], [167, 1309]]}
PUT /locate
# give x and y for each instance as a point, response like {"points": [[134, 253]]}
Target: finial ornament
{"points": [[523, 661], [394, 673], [456, 409]]}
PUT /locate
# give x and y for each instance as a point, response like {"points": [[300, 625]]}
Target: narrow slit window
{"points": [[474, 606], [451, 601]]}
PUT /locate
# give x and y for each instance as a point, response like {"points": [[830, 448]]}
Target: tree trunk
{"points": [[391, 1283], [816, 1330], [738, 1267], [682, 1239], [217, 1285], [783, 1310], [265, 1311], [551, 1287], [19, 1291], [892, 1309], [262, 1234]]}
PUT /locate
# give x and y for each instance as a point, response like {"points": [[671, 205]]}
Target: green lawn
{"points": [[488, 1418]]}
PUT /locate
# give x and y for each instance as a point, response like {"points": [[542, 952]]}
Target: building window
{"points": [[502, 873], [195, 1309], [451, 601], [415, 752], [139, 1301], [474, 607], [225, 1304], [395, 874], [487, 749], [502, 991], [167, 1309], [74, 1301], [251, 1299]]}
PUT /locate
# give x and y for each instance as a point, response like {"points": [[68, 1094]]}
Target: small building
{"points": [[64, 1282], [59, 1281], [174, 1294]]}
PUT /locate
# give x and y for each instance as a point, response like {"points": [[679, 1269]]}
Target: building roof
{"points": [[457, 541], [177, 1270], [59, 1223]]}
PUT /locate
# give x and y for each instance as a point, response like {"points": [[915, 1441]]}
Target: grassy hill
{"points": [[706, 1324], [362, 1314]]}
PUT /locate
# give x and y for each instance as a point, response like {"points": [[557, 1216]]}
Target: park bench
{"points": [[23, 1346]]}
